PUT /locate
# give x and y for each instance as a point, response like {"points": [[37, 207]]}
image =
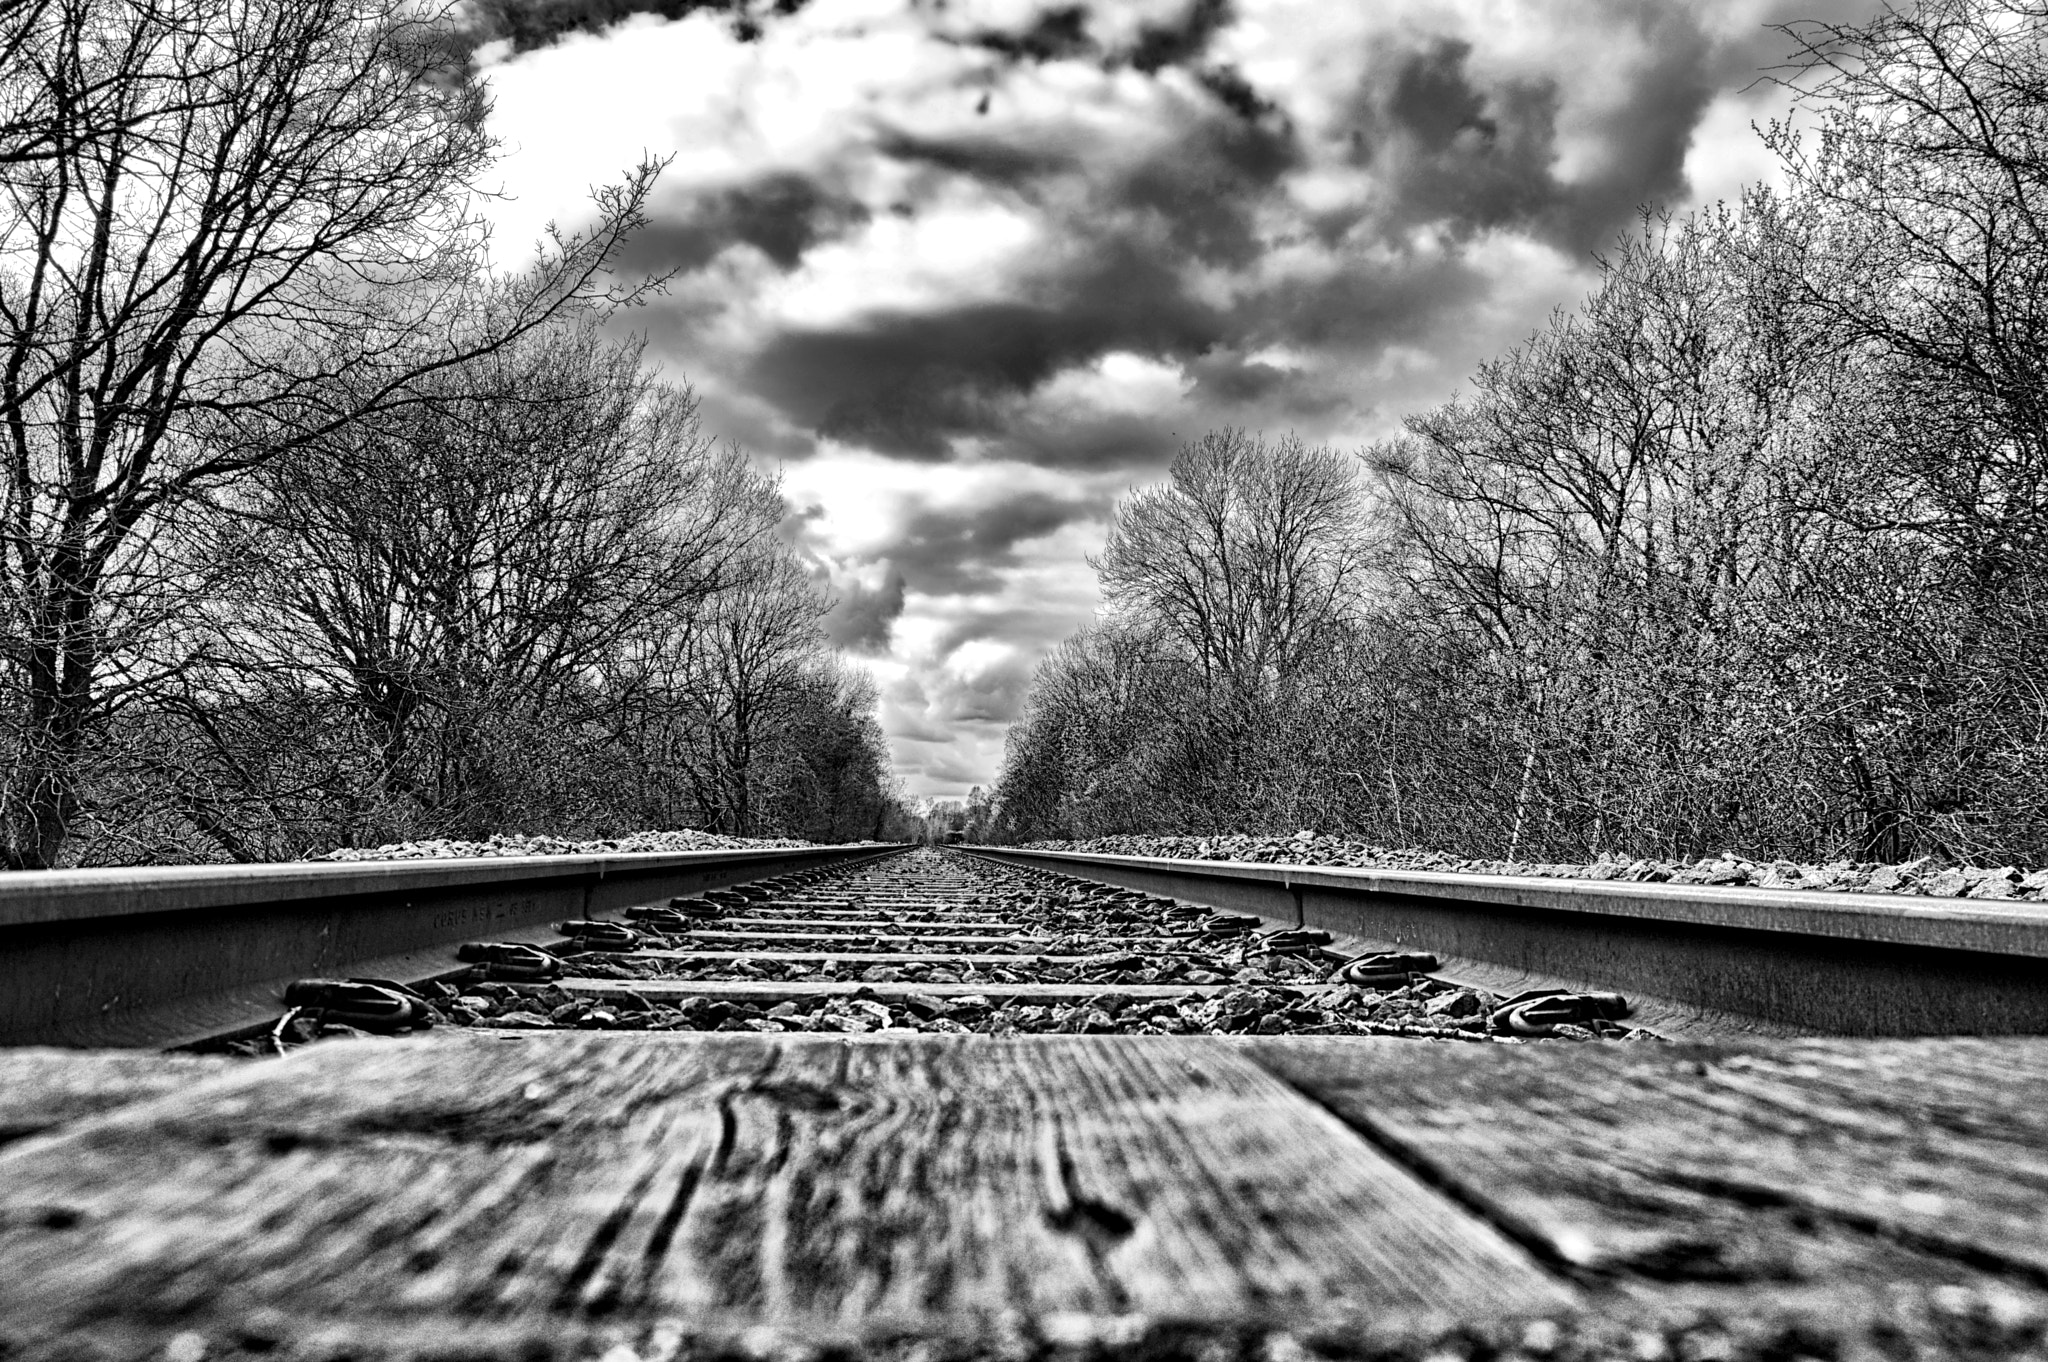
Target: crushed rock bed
{"points": [[517, 844], [1121, 938], [1906, 1323], [1458, 1014], [1927, 875]]}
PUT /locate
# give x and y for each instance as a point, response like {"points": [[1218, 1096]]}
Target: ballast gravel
{"points": [[518, 844], [1119, 938], [1071, 933]]}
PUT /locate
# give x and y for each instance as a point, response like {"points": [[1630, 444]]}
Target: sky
{"points": [[966, 272]]}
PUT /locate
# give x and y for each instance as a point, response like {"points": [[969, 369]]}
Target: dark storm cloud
{"points": [[1647, 141], [859, 621], [1447, 151], [1037, 626], [991, 696], [951, 553], [1089, 440], [906, 382], [1469, 153], [994, 697], [1052, 35], [530, 24], [1456, 143], [1448, 147], [984, 158], [1402, 299], [780, 215], [1065, 33]]}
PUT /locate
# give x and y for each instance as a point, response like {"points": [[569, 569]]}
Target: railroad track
{"points": [[722, 1107], [178, 956], [1695, 961], [940, 943], [994, 941]]}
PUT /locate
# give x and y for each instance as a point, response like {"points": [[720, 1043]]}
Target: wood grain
{"points": [[906, 924], [669, 990], [602, 1178], [866, 957], [41, 1089], [941, 938], [1821, 1164]]}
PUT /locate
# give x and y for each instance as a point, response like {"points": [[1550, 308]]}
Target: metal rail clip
{"points": [[367, 1004], [510, 962], [1296, 940], [1384, 969], [658, 919], [599, 936], [1541, 1010]]}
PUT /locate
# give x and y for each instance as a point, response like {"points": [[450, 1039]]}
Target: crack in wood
{"points": [[1762, 1196], [1558, 1254], [1099, 1226]]}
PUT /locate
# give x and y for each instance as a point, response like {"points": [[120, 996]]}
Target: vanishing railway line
{"points": [[869, 1101], [986, 940], [946, 944]]}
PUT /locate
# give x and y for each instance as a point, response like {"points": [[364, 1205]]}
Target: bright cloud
{"points": [[968, 272]]}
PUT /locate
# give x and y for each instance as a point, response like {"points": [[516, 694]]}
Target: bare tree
{"points": [[456, 572], [210, 209], [744, 663], [1928, 180], [1247, 555]]}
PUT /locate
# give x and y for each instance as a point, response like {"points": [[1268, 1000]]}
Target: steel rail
{"points": [[167, 956], [1787, 960]]}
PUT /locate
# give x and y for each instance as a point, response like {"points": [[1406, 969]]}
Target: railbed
{"points": [[1703, 960], [802, 1186]]}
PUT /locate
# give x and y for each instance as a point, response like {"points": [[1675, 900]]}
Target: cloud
{"points": [[908, 384], [1103, 34], [780, 215], [953, 552], [1170, 204], [860, 618], [969, 270], [524, 25]]}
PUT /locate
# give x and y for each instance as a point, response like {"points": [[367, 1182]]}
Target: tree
{"points": [[1243, 566], [210, 210], [452, 574], [747, 656], [1246, 556], [1927, 181], [827, 768]]}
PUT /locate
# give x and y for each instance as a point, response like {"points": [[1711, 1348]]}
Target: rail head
{"points": [[1989, 926], [172, 955], [1847, 964], [47, 896]]}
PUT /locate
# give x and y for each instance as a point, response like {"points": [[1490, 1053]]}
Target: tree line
{"points": [[317, 527], [1748, 550]]}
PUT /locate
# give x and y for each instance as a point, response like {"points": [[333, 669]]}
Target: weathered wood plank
{"points": [[603, 1179], [865, 957], [1822, 1163], [939, 938], [41, 1089], [667, 990], [850, 918], [859, 926]]}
